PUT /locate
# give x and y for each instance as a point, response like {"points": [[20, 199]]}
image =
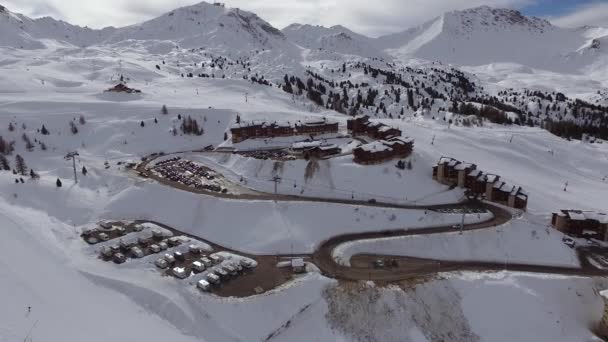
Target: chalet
{"points": [[576, 222], [122, 88], [360, 125], [316, 149], [402, 146], [373, 153], [381, 151]]}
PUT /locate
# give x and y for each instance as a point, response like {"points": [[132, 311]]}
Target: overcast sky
{"points": [[368, 17]]}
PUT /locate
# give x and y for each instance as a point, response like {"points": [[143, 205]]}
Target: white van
{"points": [[203, 285]]}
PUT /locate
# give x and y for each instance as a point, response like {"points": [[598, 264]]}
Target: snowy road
{"points": [[407, 267]]}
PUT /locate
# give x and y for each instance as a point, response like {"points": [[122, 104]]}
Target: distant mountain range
{"points": [[435, 66], [476, 36]]}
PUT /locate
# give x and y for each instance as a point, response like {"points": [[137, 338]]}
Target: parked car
{"points": [[119, 258], [161, 263], [198, 266], [569, 242], [203, 285], [213, 278]]}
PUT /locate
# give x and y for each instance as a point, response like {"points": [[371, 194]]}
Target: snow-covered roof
{"points": [[506, 187], [405, 140], [491, 178], [604, 294], [475, 173], [318, 122], [445, 160], [463, 166], [582, 215], [375, 146], [306, 144], [328, 147]]}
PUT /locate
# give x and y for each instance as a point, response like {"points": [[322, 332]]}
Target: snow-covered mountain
{"points": [[203, 25], [200, 25], [19, 31], [486, 35], [335, 39]]}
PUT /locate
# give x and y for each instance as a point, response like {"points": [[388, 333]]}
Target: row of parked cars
{"points": [[138, 249], [188, 173], [224, 272], [217, 268]]}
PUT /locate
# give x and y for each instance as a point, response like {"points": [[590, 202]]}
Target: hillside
{"points": [[165, 158]]}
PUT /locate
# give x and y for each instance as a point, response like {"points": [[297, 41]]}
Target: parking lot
{"points": [[190, 174], [278, 155], [208, 267]]}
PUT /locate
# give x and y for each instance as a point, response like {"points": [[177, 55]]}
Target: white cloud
{"points": [[365, 16], [592, 14]]}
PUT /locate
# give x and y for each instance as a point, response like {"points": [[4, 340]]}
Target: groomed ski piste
{"points": [[505, 266]]}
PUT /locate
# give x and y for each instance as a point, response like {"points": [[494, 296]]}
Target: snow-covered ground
{"points": [[75, 297], [519, 241]]}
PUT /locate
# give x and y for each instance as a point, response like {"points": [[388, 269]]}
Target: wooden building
{"points": [[263, 130], [360, 125], [314, 149], [581, 222], [383, 150], [452, 172]]}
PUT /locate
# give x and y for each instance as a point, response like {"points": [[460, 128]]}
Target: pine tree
{"points": [[3, 146], [142, 124], [73, 128], [33, 174], [82, 120], [84, 171], [4, 164], [20, 165], [155, 121], [11, 127], [44, 131], [58, 183], [164, 110]]}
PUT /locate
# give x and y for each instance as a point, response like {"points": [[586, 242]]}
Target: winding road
{"points": [[362, 268]]}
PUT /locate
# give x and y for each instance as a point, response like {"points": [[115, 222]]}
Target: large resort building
{"points": [[263, 130], [389, 144], [582, 223], [450, 171]]}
